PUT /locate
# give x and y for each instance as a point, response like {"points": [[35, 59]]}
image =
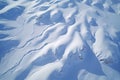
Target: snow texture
{"points": [[59, 39]]}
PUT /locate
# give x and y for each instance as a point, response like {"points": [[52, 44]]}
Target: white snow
{"points": [[51, 33]]}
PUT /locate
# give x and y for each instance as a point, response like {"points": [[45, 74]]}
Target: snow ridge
{"points": [[59, 40]]}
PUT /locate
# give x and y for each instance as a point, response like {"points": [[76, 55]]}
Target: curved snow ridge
{"points": [[59, 40]]}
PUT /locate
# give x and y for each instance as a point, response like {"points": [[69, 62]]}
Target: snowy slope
{"points": [[59, 39]]}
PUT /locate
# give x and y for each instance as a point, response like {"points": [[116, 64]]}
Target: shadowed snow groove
{"points": [[59, 40]]}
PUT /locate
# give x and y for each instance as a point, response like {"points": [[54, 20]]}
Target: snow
{"points": [[59, 40], [43, 72]]}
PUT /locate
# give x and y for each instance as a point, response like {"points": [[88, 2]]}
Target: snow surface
{"points": [[59, 39]]}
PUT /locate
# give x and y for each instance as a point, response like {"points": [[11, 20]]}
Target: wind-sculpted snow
{"points": [[59, 39]]}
